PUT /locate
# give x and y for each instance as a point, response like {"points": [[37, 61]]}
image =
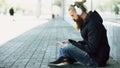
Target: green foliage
{"points": [[57, 3], [106, 6]]}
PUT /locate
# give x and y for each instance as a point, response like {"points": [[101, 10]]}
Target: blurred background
{"points": [[18, 16], [27, 14], [47, 7]]}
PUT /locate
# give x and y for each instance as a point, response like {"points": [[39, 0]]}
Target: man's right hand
{"points": [[64, 43]]}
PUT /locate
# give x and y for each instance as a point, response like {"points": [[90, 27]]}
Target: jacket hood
{"points": [[95, 16]]}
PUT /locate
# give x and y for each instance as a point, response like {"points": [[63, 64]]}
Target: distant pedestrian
{"points": [[116, 10], [53, 16], [11, 11]]}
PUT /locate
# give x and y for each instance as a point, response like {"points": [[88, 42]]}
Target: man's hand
{"points": [[64, 43]]}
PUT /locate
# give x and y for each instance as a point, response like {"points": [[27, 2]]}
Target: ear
{"points": [[78, 10]]}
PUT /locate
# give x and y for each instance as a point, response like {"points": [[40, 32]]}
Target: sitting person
{"points": [[94, 49]]}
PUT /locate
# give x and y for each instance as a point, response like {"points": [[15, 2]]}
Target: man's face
{"points": [[75, 16]]}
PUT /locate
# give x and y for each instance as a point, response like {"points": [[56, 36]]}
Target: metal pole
{"points": [[63, 7], [91, 5]]}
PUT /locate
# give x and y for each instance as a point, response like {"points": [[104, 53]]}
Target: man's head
{"points": [[77, 11]]}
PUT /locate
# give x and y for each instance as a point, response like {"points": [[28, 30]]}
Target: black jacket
{"points": [[95, 41]]}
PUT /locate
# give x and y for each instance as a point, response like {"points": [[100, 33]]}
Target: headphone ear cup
{"points": [[78, 10]]}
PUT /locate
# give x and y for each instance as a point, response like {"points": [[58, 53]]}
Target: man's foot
{"points": [[59, 60], [62, 61]]}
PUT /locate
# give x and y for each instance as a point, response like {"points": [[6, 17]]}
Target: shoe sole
{"points": [[58, 65]]}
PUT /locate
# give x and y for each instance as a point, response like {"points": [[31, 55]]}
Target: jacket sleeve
{"points": [[79, 45], [82, 42]]}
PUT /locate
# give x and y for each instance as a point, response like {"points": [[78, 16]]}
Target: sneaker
{"points": [[59, 60], [62, 61]]}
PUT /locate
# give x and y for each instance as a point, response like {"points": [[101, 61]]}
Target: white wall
{"points": [[113, 33]]}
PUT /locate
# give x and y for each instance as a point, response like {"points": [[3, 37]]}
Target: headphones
{"points": [[78, 10]]}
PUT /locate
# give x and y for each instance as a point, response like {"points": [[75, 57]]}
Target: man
{"points": [[94, 49]]}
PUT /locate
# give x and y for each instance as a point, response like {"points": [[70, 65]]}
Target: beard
{"points": [[79, 22]]}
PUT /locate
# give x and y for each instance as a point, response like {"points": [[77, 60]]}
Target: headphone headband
{"points": [[78, 10]]}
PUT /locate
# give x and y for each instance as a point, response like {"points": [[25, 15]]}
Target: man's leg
{"points": [[78, 54], [63, 59]]}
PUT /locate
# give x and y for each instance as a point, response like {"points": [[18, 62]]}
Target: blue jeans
{"points": [[74, 52]]}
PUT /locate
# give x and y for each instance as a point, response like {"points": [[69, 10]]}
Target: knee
{"points": [[68, 47]]}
